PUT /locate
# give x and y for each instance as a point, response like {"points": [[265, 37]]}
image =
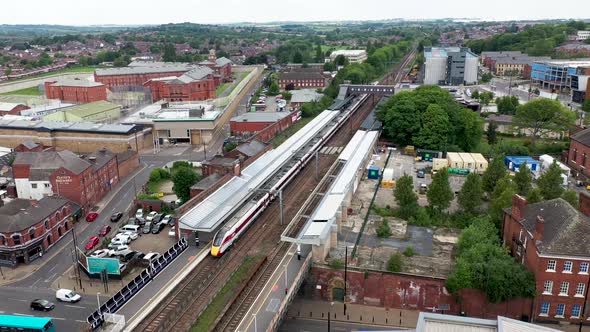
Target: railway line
{"points": [[192, 295]]}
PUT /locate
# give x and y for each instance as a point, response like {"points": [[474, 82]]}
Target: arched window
{"points": [[16, 239], [2, 240], [59, 232], [47, 224], [49, 239], [32, 233], [64, 211], [57, 216], [66, 225]]}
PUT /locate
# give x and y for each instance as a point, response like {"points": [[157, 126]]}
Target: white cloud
{"points": [[128, 12]]}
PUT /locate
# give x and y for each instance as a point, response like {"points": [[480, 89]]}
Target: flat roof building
{"points": [[555, 75], [99, 111], [449, 66], [353, 56]]}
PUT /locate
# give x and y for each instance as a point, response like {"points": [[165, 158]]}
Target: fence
{"points": [[97, 318]]}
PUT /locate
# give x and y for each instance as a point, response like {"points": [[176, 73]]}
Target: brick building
{"points": [[552, 239], [84, 181], [76, 91], [12, 108], [248, 124], [32, 147], [305, 78], [127, 162], [29, 228], [221, 166], [197, 84], [578, 155], [138, 74], [221, 66]]}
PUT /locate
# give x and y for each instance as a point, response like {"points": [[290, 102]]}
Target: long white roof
{"points": [[317, 228], [216, 208]]}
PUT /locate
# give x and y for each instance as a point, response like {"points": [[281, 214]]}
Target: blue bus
{"points": [[9, 323]]}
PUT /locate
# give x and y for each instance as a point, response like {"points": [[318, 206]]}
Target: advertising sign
{"points": [[96, 265]]}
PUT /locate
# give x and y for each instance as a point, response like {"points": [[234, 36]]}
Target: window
{"points": [[32, 233], [548, 287], [544, 309], [34, 185], [584, 159], [580, 289], [584, 267], [2, 240], [575, 155], [551, 265], [47, 224], [16, 239], [564, 287], [46, 185], [560, 310], [567, 266], [576, 310]]}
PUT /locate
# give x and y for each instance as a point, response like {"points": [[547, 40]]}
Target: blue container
{"points": [[373, 173]]}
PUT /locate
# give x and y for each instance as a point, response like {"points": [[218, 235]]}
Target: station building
{"points": [[29, 228], [76, 91]]}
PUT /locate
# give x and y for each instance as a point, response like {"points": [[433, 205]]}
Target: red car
{"points": [[104, 230], [92, 242], [91, 216]]}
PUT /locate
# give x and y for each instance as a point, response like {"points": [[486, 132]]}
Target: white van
{"points": [[130, 228], [66, 295]]}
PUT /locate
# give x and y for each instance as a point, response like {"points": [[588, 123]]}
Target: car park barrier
{"points": [[96, 319]]}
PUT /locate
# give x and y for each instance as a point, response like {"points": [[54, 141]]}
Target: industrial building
{"points": [[449, 66], [353, 56], [99, 111], [76, 91]]}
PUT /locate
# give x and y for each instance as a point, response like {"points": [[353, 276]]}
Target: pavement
{"points": [[312, 325]]}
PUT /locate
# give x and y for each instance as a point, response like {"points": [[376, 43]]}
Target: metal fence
{"points": [[96, 319]]}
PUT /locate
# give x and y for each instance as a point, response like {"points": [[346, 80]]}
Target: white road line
{"points": [[21, 300], [51, 270], [35, 283], [74, 306], [50, 277], [81, 321], [17, 314], [58, 318]]}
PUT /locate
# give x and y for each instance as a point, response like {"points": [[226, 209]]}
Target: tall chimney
{"points": [[539, 229], [518, 207]]}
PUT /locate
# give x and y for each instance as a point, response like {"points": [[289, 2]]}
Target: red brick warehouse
{"points": [[76, 91]]}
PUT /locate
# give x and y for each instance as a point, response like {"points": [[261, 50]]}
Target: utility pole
{"points": [[345, 275], [317, 164], [281, 204]]}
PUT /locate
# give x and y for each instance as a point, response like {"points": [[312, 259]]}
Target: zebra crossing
{"points": [[331, 150]]}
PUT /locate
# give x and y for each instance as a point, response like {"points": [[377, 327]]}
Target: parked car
{"points": [[120, 239], [119, 250], [42, 305], [151, 216], [420, 174], [147, 228], [91, 216], [168, 220], [129, 228], [131, 235], [67, 295], [158, 228], [172, 231], [92, 242], [100, 253], [423, 188], [139, 213], [106, 229], [122, 267], [116, 216], [151, 256]]}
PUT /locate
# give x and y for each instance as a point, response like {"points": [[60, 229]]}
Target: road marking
{"points": [[74, 306], [58, 318], [51, 270], [81, 321], [50, 277], [35, 283], [17, 314], [21, 300]]}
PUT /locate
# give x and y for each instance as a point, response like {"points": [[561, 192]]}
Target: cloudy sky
{"points": [[130, 12]]}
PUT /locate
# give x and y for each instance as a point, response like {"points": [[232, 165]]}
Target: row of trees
{"points": [[182, 175], [429, 117]]}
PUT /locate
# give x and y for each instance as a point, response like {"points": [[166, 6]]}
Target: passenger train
{"points": [[233, 229]]}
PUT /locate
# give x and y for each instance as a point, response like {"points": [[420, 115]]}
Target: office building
{"points": [[449, 66], [353, 56], [555, 75]]}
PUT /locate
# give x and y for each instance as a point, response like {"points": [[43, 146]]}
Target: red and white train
{"points": [[235, 227]]}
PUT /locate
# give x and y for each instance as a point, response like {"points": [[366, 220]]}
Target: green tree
{"points": [[550, 182], [480, 230], [492, 133], [395, 263], [571, 197], [183, 179], [507, 104], [406, 198], [475, 94], [542, 116], [586, 105], [534, 196], [439, 193], [486, 97], [169, 53], [319, 55], [495, 171], [274, 89], [435, 130], [486, 77], [341, 60], [523, 180], [469, 198], [501, 198]]}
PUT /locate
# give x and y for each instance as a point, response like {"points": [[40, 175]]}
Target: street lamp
{"points": [[98, 302]]}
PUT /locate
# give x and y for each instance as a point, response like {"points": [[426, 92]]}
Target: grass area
{"points": [[205, 321], [63, 71], [154, 186], [221, 88], [32, 91], [280, 138]]}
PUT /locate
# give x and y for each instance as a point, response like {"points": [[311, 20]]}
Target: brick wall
{"points": [[405, 291], [200, 90], [132, 80], [278, 127], [76, 94], [126, 167]]}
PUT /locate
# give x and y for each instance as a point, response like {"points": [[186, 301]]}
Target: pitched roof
{"points": [[196, 74], [207, 182], [251, 148], [566, 230], [305, 96], [164, 68], [582, 137], [100, 158], [21, 214], [222, 61], [7, 107], [260, 117], [44, 163], [77, 83]]}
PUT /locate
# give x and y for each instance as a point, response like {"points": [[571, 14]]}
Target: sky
{"points": [[133, 12]]}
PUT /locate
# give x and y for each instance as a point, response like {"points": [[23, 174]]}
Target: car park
{"points": [[106, 229], [147, 228], [157, 228], [172, 231], [131, 235], [139, 213], [91, 216], [100, 253], [151, 256], [116, 216], [92, 242], [151, 216], [119, 250], [168, 220], [421, 174], [42, 305], [129, 228], [67, 295]]}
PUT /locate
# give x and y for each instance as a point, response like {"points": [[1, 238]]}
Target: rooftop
{"points": [[301, 75], [100, 158], [7, 107], [170, 112], [84, 127], [21, 214], [431, 322], [77, 83], [152, 68], [260, 117], [207, 182], [251, 148], [49, 161], [582, 137], [305, 96], [348, 53], [566, 63], [443, 52], [85, 110]]}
